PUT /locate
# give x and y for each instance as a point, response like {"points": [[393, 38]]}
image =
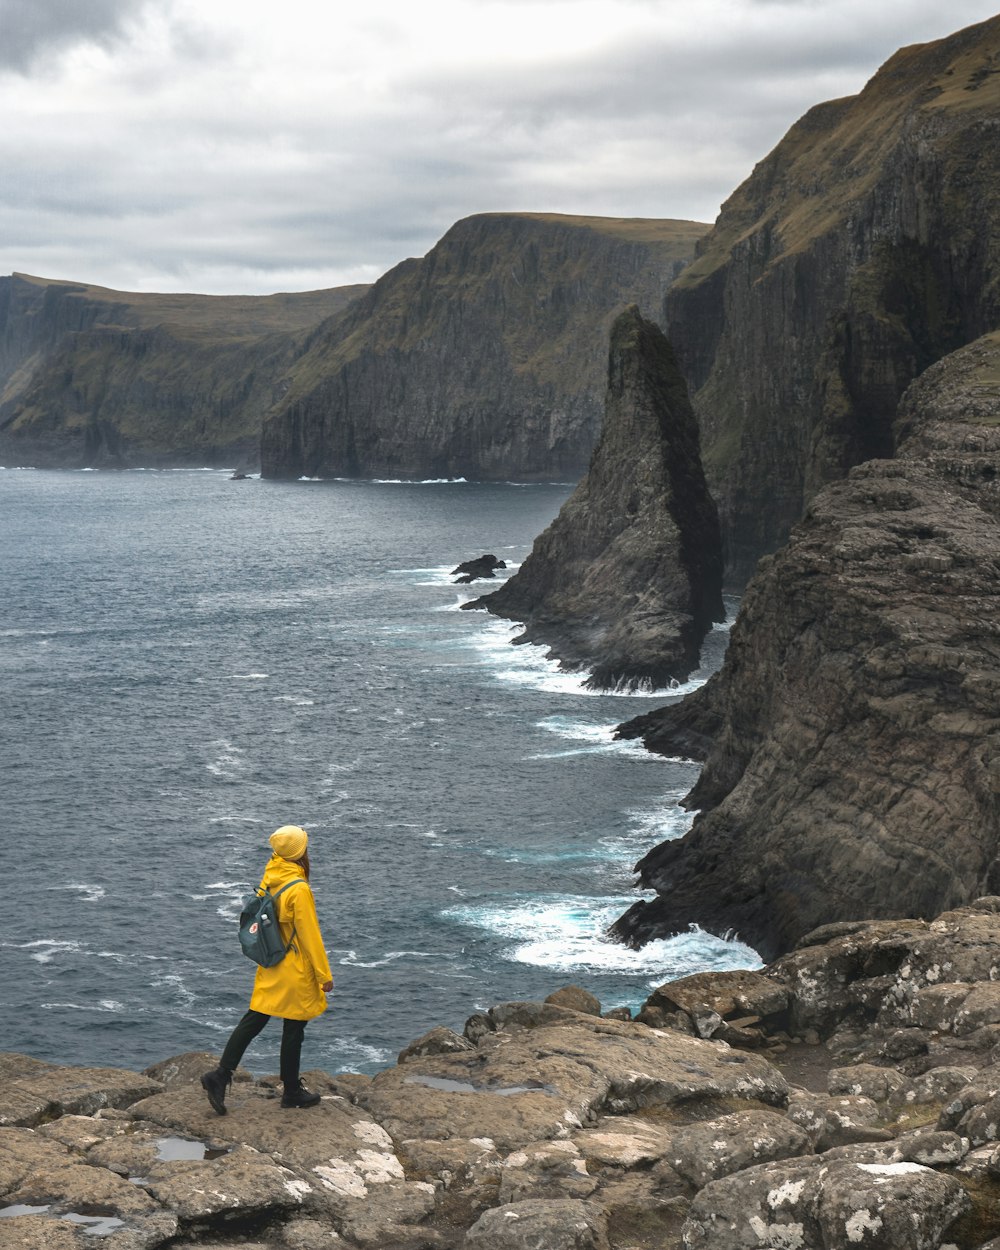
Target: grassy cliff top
{"points": [[835, 155], [630, 229], [226, 315]]}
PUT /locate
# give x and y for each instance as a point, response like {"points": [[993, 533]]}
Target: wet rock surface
{"points": [[815, 1128]]}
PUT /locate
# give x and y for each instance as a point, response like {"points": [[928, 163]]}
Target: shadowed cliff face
{"points": [[95, 377], [628, 578], [852, 737], [482, 360], [861, 250]]}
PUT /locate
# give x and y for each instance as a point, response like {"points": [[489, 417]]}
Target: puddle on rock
{"points": [[90, 1225], [95, 1225], [170, 1149], [466, 1087]]}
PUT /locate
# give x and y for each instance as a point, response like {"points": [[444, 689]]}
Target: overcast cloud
{"points": [[242, 146]]}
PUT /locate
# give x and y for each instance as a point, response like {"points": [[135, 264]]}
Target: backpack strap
{"points": [[287, 886]]}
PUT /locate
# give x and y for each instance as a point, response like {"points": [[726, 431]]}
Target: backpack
{"points": [[260, 935]]}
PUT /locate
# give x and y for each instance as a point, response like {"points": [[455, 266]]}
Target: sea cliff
{"points": [[484, 359], [91, 377], [859, 252], [851, 739]]}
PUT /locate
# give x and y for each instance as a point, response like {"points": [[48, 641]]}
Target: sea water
{"points": [[187, 662]]}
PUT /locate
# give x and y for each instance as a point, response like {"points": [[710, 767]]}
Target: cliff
{"points": [[845, 1096], [482, 360], [852, 736], [90, 376], [860, 251], [627, 579]]}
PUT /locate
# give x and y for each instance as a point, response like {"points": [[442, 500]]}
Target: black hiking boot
{"points": [[215, 1084], [299, 1096]]}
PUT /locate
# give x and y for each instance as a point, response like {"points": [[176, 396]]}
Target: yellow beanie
{"points": [[289, 842]]}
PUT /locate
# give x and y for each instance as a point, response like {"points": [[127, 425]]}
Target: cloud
{"points": [[33, 29], [252, 146]]}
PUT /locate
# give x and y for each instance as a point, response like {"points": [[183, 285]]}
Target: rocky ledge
{"points": [[847, 1095]]}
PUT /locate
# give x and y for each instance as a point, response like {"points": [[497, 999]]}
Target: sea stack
{"points": [[627, 580]]}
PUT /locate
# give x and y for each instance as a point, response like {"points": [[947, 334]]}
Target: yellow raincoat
{"points": [[291, 989]]}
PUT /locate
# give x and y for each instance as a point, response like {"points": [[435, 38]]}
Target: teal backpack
{"points": [[260, 934]]}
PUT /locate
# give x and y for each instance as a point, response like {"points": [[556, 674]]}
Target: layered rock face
{"points": [[482, 360], [628, 578], [860, 251], [852, 736], [93, 377]]}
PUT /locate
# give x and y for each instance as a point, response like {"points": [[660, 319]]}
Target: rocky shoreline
{"points": [[846, 1095]]}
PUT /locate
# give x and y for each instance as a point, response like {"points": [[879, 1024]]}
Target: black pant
{"points": [[291, 1045]]}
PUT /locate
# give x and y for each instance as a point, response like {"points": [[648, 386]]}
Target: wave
{"points": [[567, 933], [91, 893], [228, 763], [351, 960]]}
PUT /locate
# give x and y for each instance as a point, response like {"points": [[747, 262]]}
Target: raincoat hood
{"points": [[279, 871]]}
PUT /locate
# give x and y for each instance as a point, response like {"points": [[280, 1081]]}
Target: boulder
{"points": [[566, 1224], [836, 1205], [343, 1163], [576, 999], [436, 1041], [705, 1151], [726, 995], [623, 1142], [866, 1080], [241, 1185], [33, 1094], [550, 1169], [836, 1121]]}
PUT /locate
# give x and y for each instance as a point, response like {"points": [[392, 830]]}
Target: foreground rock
{"points": [[861, 1107], [627, 580]]}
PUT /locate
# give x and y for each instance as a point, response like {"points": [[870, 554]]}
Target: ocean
{"points": [[188, 662]]}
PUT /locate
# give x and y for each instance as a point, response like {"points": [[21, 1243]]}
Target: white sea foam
{"points": [[351, 960], [567, 933], [351, 1054], [296, 700], [599, 738], [46, 949], [528, 666], [247, 676], [104, 1004], [91, 893], [228, 763]]}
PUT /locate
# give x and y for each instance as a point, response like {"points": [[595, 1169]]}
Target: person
{"points": [[294, 989]]}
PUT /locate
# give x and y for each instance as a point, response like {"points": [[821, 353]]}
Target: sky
{"points": [[250, 146]]}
